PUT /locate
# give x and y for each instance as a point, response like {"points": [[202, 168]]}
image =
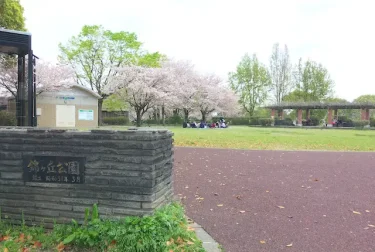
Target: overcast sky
{"points": [[215, 34]]}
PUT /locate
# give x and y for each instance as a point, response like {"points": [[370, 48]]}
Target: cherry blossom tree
{"points": [[207, 97], [185, 83], [49, 77], [143, 88], [228, 103]]}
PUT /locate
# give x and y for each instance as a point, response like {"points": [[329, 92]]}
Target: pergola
{"points": [[332, 108], [19, 43]]}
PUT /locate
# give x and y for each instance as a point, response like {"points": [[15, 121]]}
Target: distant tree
{"points": [[12, 18], [313, 82], [206, 99], [280, 70], [11, 15], [251, 82], [115, 103], [96, 53], [186, 82], [141, 87], [365, 99]]}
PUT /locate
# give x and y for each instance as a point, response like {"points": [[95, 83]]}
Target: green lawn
{"points": [[275, 138]]}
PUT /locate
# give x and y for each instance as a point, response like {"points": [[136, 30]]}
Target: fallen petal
{"points": [[289, 245]]}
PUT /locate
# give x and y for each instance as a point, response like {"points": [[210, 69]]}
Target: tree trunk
{"points": [[139, 118], [100, 113], [175, 112], [163, 115], [203, 115], [186, 115]]}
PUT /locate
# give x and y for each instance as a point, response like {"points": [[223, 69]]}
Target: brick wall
{"points": [[126, 173]]}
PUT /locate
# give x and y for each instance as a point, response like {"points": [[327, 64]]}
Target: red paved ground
{"points": [[318, 190]]}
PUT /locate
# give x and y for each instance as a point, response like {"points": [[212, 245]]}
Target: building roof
{"points": [[87, 90], [322, 105]]}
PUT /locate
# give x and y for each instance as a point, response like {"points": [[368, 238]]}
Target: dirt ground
{"points": [[280, 200]]}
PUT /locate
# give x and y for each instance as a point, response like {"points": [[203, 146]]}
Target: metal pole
{"points": [[34, 80], [30, 89]]}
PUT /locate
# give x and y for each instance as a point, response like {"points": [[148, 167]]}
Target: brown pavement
{"points": [[308, 200]]}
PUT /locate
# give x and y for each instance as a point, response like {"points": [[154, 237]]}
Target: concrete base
{"points": [[329, 125], [299, 125]]}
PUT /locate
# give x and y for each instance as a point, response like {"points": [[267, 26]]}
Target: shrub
{"points": [[314, 120], [284, 122], [372, 122], [166, 230], [344, 118], [175, 119], [7, 119], [360, 124], [265, 121], [238, 121], [254, 120], [119, 120]]}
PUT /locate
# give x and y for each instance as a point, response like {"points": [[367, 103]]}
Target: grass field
{"points": [[275, 138]]}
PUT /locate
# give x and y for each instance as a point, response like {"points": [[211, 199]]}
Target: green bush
{"points": [[119, 120], [265, 121], [360, 124], [7, 119], [343, 118], [175, 119], [372, 122], [165, 230], [254, 120], [238, 121], [314, 121], [284, 122]]}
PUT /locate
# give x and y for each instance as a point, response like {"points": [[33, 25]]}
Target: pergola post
{"points": [[281, 114], [273, 112], [307, 113], [299, 117], [363, 114], [329, 118], [336, 114]]}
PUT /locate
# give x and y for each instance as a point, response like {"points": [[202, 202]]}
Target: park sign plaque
{"points": [[53, 169]]}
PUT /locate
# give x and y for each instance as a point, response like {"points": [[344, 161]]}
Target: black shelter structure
{"points": [[19, 43]]}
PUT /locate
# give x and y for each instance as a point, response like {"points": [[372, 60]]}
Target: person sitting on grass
{"points": [[202, 125], [193, 125]]}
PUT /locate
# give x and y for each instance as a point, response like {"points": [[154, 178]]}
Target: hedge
{"points": [[372, 122], [265, 121], [314, 121], [284, 122], [360, 124], [7, 119], [118, 120]]}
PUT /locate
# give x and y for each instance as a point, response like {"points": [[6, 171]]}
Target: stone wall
{"points": [[125, 173]]}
